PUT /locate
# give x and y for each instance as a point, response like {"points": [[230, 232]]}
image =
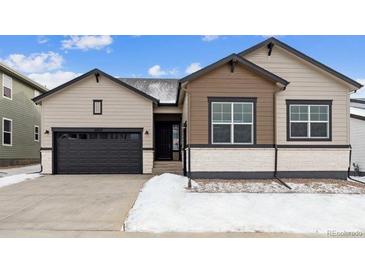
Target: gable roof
{"points": [[22, 78], [303, 56], [164, 90], [244, 62], [93, 72]]}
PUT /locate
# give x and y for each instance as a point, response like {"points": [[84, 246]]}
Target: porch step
{"points": [[160, 167]]}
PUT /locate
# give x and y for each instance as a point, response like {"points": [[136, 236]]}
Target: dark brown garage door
{"points": [[97, 152]]}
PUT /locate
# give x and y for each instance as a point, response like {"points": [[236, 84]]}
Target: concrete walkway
{"points": [[68, 203]]}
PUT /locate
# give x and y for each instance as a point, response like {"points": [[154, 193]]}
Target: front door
{"points": [[163, 141]]}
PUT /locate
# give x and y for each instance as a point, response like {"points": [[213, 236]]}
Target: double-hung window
{"points": [[7, 132], [232, 122], [7, 88], [309, 121], [36, 133]]}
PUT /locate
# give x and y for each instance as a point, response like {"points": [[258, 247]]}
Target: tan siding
{"points": [[73, 108], [306, 82], [167, 109], [223, 83]]}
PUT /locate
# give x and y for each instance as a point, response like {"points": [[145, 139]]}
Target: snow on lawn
{"points": [[14, 179], [164, 205], [362, 179]]}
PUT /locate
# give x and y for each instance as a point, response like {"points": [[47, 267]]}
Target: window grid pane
{"points": [[228, 115], [315, 114], [7, 132]]}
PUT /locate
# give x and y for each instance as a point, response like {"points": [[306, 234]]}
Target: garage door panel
{"points": [[92, 152]]}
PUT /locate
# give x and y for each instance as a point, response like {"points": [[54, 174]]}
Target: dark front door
{"points": [[103, 152], [163, 140]]}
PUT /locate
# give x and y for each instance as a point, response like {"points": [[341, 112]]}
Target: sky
{"points": [[53, 60]]}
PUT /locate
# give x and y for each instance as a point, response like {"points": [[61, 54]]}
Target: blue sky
{"points": [[52, 60]]}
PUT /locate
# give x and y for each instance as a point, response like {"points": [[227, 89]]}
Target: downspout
{"points": [[350, 157], [189, 139], [349, 168], [275, 141]]}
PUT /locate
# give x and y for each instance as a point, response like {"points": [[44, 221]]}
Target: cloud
{"points": [[42, 39], [193, 67], [53, 79], [209, 38], [157, 71], [35, 62], [87, 42], [361, 92]]}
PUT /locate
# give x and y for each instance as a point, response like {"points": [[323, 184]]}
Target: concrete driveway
{"points": [[68, 203]]}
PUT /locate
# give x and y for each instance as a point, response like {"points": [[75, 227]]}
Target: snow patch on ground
{"points": [[8, 171], [359, 178], [14, 179], [164, 205]]}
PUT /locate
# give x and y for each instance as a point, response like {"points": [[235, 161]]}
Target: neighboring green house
{"points": [[20, 118]]}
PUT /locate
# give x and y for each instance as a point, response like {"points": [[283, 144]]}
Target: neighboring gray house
{"points": [[357, 126], [20, 118]]}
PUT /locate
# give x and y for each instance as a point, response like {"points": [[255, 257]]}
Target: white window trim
{"points": [[34, 133], [36, 93], [309, 122], [232, 123], [11, 88], [3, 131]]}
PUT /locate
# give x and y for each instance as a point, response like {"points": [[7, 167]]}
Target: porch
{"points": [[167, 144]]}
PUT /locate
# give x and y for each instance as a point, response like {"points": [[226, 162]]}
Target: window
{"points": [[7, 87], [7, 132], [309, 121], [232, 122], [36, 133], [98, 107], [176, 137]]}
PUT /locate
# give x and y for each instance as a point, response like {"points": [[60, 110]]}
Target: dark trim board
{"points": [[266, 146], [91, 129], [268, 174], [362, 173], [314, 146], [358, 117], [231, 146]]}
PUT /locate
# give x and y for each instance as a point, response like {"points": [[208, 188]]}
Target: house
{"points": [[267, 111], [20, 118], [357, 125]]}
